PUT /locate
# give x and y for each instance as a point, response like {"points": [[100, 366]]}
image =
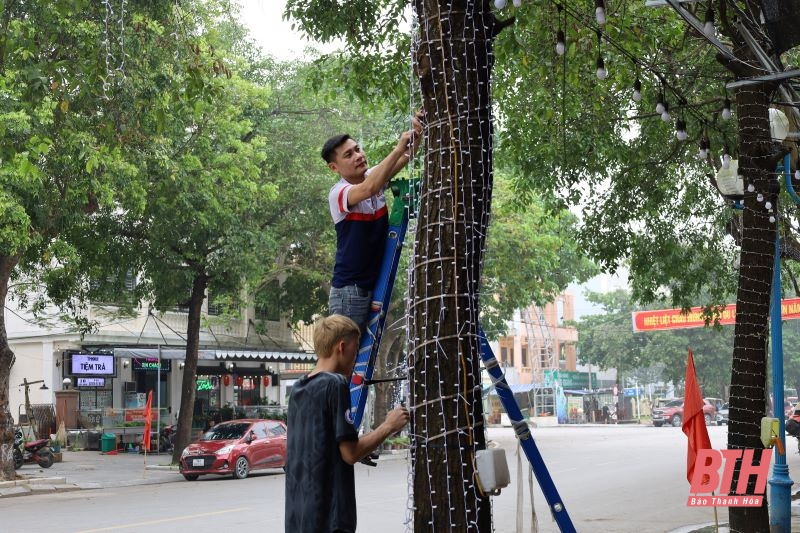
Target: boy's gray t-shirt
{"points": [[320, 486]]}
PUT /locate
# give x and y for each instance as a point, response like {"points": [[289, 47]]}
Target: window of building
{"points": [[524, 356], [544, 357], [503, 355]]}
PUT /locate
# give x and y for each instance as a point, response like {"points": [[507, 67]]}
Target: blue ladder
{"points": [[381, 295], [523, 433]]}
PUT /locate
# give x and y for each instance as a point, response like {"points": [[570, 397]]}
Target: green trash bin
{"points": [[108, 442]]}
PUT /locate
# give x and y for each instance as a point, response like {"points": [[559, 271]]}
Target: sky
{"points": [[275, 36]]}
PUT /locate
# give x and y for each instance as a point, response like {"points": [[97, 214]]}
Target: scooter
{"points": [[165, 438], [36, 451]]}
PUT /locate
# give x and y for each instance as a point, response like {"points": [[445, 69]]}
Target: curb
{"points": [[42, 485]]}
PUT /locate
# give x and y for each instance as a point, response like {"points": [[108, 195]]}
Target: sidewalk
{"points": [[91, 470]]}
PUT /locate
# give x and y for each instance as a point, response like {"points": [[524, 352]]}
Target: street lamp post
{"points": [[780, 501], [27, 384]]}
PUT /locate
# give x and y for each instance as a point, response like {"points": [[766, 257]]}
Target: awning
{"points": [[225, 355], [577, 392], [164, 352], [268, 357]]}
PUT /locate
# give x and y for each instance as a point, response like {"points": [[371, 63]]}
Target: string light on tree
{"points": [[561, 45], [599, 12], [517, 3], [726, 158], [602, 73], [665, 116], [680, 130], [500, 4], [726, 109], [637, 90], [660, 103], [708, 25], [702, 153]]}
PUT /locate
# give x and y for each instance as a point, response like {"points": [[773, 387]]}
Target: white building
{"points": [[115, 367]]}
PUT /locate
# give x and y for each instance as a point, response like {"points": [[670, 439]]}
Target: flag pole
{"points": [[716, 517]]}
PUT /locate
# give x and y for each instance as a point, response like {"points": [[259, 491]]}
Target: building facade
{"points": [[241, 364]]}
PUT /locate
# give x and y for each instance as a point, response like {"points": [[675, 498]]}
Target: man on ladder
{"points": [[358, 208], [360, 216]]}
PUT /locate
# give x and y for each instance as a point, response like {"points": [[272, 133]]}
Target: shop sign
{"points": [[204, 384], [91, 382], [151, 364], [134, 415], [569, 379], [92, 365]]}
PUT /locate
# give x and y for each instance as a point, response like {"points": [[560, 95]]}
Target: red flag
{"points": [[147, 418], [694, 423]]}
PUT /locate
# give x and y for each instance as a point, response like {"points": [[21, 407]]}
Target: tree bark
{"points": [[749, 370], [189, 385], [453, 61], [7, 472]]}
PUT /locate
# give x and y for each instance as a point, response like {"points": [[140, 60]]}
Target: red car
{"points": [[236, 447], [672, 413]]}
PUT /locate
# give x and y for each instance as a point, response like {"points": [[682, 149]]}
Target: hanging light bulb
{"points": [[561, 45], [726, 109], [680, 130], [499, 4], [797, 174], [602, 73], [660, 103], [702, 153], [708, 26], [665, 116], [726, 160], [768, 205], [772, 219], [750, 187], [637, 90], [517, 3], [760, 197], [599, 12]]}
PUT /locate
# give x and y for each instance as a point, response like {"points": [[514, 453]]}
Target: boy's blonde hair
{"points": [[330, 330]]}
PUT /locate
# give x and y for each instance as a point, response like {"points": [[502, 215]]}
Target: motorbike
{"points": [[36, 451], [165, 438]]}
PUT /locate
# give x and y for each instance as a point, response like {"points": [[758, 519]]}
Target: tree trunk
{"points": [[7, 472], [189, 385], [453, 61], [749, 369]]}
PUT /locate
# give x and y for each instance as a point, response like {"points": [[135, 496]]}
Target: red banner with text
{"points": [[661, 319]]}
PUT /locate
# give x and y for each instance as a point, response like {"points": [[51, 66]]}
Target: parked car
{"points": [[672, 413], [237, 447], [722, 415]]}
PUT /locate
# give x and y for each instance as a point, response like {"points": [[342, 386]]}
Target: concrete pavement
{"points": [[91, 470], [94, 470]]}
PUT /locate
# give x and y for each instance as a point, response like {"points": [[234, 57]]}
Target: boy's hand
{"points": [[397, 419]]}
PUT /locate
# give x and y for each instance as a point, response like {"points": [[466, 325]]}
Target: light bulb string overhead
{"points": [[643, 67]]}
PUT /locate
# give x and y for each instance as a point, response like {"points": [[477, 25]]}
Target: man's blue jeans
{"points": [[351, 301]]}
